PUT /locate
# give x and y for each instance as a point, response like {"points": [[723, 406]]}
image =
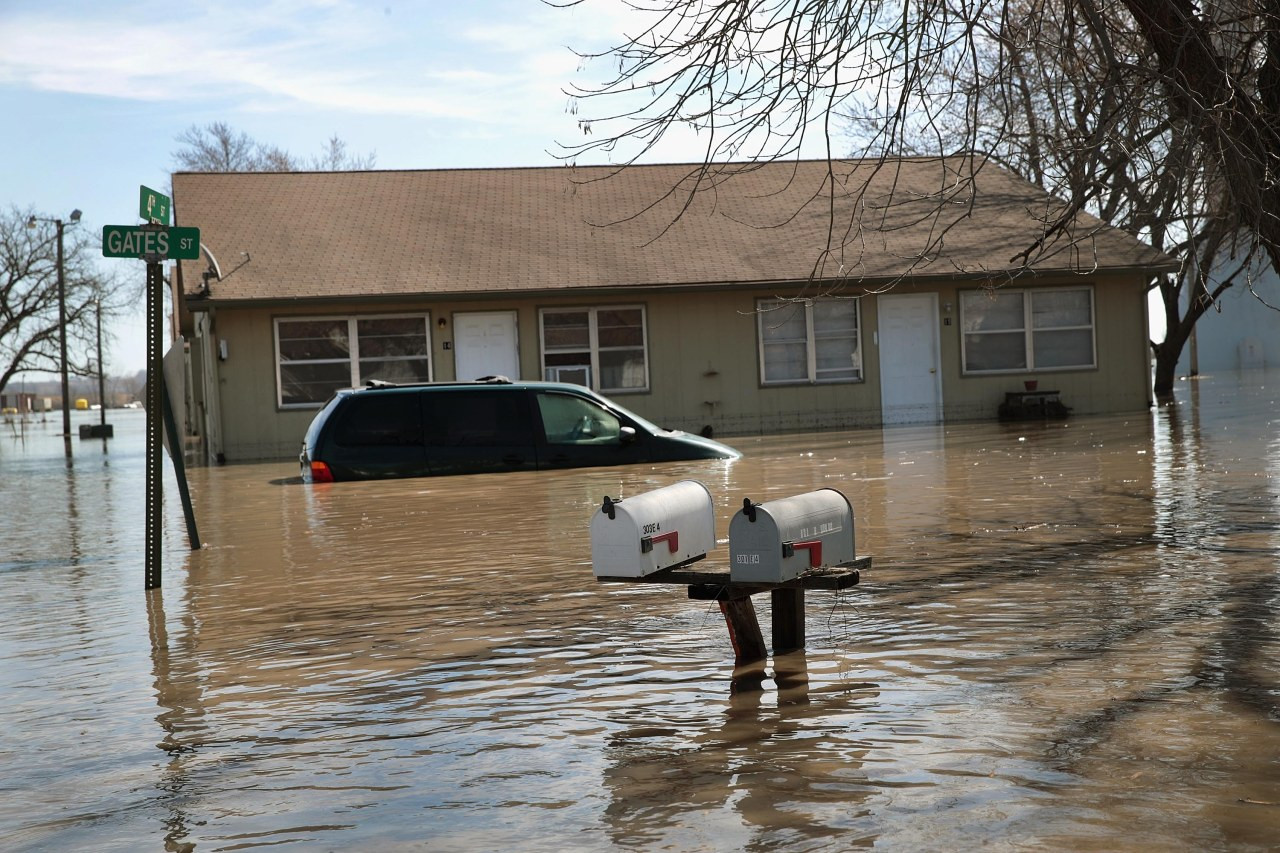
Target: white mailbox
{"points": [[779, 540], [649, 532]]}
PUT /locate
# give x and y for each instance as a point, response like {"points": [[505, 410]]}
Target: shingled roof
{"points": [[343, 235]]}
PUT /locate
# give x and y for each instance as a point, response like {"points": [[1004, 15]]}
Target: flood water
{"points": [[1069, 639]]}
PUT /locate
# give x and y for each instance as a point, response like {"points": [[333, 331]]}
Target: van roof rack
{"points": [[483, 380]]}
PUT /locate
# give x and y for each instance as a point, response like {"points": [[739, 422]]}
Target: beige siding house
{"points": [[787, 297]]}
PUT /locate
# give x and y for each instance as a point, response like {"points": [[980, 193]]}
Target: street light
{"points": [[62, 323]]}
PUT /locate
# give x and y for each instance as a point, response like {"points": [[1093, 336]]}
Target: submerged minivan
{"points": [[489, 425]]}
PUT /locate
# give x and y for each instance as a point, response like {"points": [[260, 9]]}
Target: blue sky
{"points": [[95, 94]]}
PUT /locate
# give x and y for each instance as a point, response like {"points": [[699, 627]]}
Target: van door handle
{"points": [[513, 460]]}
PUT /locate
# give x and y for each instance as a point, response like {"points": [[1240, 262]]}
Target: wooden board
{"points": [[719, 586]]}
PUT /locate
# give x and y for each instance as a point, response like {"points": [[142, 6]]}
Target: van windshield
{"points": [[650, 426]]}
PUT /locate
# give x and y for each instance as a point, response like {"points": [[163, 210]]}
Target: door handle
{"points": [[513, 460]]}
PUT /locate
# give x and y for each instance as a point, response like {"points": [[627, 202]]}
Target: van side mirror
{"points": [[626, 435]]}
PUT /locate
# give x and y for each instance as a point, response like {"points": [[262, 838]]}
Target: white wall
{"points": [[1245, 334]]}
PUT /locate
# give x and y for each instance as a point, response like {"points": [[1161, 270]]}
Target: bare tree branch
{"points": [[29, 328], [1161, 117], [217, 147]]}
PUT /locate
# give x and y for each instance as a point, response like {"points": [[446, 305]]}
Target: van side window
{"points": [[381, 420], [477, 419], [567, 419]]}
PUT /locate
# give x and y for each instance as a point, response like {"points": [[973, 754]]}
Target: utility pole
{"points": [[62, 324], [103, 430]]}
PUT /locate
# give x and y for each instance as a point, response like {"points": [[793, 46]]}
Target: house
{"points": [[918, 290]]}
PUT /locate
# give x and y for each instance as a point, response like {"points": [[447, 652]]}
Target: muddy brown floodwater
{"points": [[1069, 639]]}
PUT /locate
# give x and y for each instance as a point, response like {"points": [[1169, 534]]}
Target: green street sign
{"points": [[153, 206], [150, 242]]}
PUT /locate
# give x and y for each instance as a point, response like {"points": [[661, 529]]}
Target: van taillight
{"points": [[320, 473]]}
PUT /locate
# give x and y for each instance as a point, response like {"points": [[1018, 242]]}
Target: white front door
{"points": [[484, 344], [910, 384]]}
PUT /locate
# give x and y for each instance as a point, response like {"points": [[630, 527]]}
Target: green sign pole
{"points": [[154, 243], [155, 399]]}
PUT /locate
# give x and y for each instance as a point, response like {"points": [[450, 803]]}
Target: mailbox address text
{"points": [[825, 529]]}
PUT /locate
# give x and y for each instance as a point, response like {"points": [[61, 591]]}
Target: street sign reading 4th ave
{"points": [[150, 242]]}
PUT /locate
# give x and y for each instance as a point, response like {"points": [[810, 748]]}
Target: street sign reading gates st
{"points": [[150, 242]]}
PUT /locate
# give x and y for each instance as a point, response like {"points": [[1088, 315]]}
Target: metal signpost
{"points": [[155, 243]]}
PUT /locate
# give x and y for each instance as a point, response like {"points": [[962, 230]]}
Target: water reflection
{"points": [[1069, 639], [763, 754], [178, 695]]}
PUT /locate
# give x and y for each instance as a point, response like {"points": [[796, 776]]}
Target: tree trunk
{"points": [[1167, 352]]}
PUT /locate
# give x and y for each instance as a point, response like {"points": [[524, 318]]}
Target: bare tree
{"points": [[335, 158], [217, 147], [29, 330], [1160, 116], [1043, 95]]}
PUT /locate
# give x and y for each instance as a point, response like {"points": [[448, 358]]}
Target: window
{"points": [[601, 348], [381, 420], [809, 341], [316, 356], [573, 420], [477, 418], [1009, 330]]}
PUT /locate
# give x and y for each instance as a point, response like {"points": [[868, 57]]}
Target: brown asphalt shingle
{"points": [[471, 231]]}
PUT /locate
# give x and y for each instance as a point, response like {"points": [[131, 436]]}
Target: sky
{"points": [[95, 94]]}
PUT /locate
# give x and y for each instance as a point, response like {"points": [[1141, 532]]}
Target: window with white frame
{"points": [[602, 348], [804, 341], [316, 356], [1012, 330]]}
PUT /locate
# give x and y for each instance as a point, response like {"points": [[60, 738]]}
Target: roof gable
{"points": [[318, 235]]}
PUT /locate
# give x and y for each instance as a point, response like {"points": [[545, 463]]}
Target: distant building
{"points": [[1242, 332], [17, 402]]}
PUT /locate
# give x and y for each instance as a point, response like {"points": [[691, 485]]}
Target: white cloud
{"points": [[286, 55], [484, 69]]}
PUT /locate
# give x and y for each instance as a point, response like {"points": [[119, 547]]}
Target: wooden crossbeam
{"points": [[829, 578], [787, 600]]}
